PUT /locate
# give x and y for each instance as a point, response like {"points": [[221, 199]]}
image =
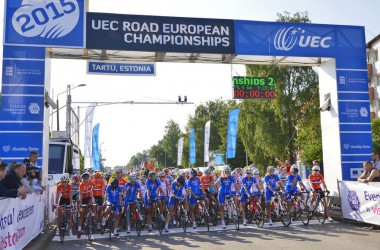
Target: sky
{"points": [[128, 129]]}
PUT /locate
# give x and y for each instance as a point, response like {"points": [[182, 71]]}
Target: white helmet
{"points": [[227, 169], [248, 171], [64, 177], [294, 168], [317, 168], [271, 168], [132, 177], [256, 171]]}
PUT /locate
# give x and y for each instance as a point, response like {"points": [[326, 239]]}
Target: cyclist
{"points": [[291, 184], [282, 175], [208, 182], [85, 197], [256, 174], [226, 182], [119, 177], [176, 194], [131, 189], [316, 179], [114, 197], [75, 184], [247, 182], [270, 181], [98, 193], [142, 183], [152, 186], [64, 195], [238, 177], [194, 187], [165, 185]]}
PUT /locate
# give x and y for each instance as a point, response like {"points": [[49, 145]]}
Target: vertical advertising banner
{"points": [[207, 141], [180, 150], [45, 23], [232, 133], [192, 152], [88, 136], [22, 102], [95, 148]]}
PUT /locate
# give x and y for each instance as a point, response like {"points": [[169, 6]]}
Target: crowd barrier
{"points": [[21, 220], [360, 201]]}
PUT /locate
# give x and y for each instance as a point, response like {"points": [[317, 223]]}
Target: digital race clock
{"points": [[254, 87]]}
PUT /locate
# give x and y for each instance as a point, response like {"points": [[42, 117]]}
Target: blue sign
{"points": [[299, 39], [354, 112], [45, 23], [352, 80], [232, 133], [120, 68], [22, 102], [192, 151], [95, 148], [356, 143], [160, 34]]}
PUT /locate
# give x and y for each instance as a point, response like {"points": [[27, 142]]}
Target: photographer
{"points": [[33, 156], [28, 180]]}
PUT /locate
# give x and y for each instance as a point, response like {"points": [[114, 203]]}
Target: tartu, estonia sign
{"points": [[121, 68]]}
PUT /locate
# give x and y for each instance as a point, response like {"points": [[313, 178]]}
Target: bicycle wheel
{"points": [[89, 226], [206, 217], [304, 213], [285, 216], [159, 222], [259, 215], [111, 225], [138, 222], [62, 230], [320, 213], [235, 215], [183, 220]]}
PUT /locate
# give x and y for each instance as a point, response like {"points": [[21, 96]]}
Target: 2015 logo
{"points": [[286, 38], [46, 18], [353, 200]]}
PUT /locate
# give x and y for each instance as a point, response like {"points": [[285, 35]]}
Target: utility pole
{"points": [[68, 113]]}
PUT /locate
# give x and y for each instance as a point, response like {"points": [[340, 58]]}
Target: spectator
{"points": [[370, 174], [285, 164], [9, 192], [375, 159], [33, 156]]}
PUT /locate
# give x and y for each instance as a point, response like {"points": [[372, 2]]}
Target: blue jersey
{"points": [[195, 185], [225, 184], [177, 189], [290, 181], [75, 188], [271, 181], [152, 186], [131, 191], [248, 182], [113, 194]]}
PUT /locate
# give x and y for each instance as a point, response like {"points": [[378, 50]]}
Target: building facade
{"points": [[373, 68]]}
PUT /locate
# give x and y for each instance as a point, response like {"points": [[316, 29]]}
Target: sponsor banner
{"points": [[352, 80], [354, 112], [351, 170], [23, 72], [160, 34], [120, 68], [207, 141], [88, 136], [21, 221], [19, 145], [298, 39], [45, 23], [180, 151], [192, 151], [361, 201], [95, 148], [356, 143], [52, 213], [22, 108], [232, 133]]}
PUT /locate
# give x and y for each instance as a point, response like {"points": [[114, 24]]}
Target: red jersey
{"points": [[66, 192], [206, 181], [122, 183], [86, 189], [315, 181], [98, 186]]}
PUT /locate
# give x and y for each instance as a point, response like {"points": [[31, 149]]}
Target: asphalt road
{"points": [[314, 236]]}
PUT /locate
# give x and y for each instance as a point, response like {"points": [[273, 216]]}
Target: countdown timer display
{"points": [[254, 87]]}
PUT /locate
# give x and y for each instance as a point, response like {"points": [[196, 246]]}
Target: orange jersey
{"points": [[98, 186], [122, 183], [206, 181], [86, 189], [316, 181], [65, 192]]}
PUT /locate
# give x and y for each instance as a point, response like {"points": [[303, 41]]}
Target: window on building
{"points": [[368, 58], [371, 107], [373, 81], [376, 55]]}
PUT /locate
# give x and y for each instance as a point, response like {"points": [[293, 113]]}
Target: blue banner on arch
{"points": [[232, 132]]}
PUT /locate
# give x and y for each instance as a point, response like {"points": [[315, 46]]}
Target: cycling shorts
{"points": [[64, 202], [116, 207], [222, 197], [268, 195], [98, 200], [193, 201], [289, 194], [320, 192], [86, 200]]}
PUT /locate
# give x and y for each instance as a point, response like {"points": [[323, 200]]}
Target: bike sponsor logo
{"points": [[288, 38], [46, 18], [7, 148], [34, 108]]}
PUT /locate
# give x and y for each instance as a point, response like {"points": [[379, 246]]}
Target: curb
{"points": [[43, 239]]}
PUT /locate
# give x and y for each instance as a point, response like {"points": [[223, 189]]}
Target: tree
{"points": [[270, 126], [376, 134], [169, 143]]}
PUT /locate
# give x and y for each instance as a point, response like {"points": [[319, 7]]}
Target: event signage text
{"points": [[121, 68], [159, 34], [253, 87]]}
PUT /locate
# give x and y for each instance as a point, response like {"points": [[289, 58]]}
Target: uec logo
{"points": [[286, 38], [46, 18]]}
